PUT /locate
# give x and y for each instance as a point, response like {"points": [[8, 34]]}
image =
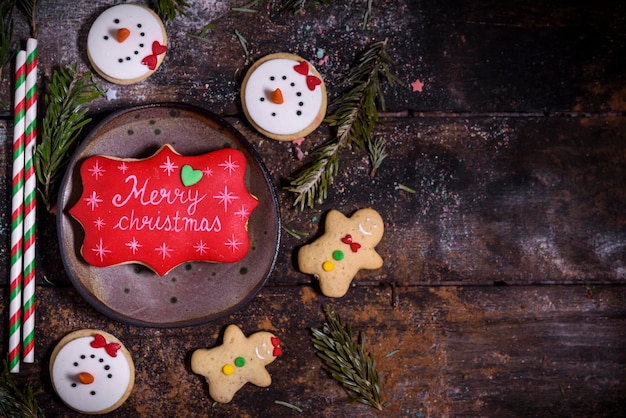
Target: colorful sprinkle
{"points": [[228, 369]]}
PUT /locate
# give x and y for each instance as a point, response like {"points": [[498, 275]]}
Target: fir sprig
{"points": [[61, 126], [15, 402], [29, 8], [354, 117], [377, 151], [299, 5], [168, 9], [347, 361]]}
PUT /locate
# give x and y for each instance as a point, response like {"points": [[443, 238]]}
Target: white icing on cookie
{"points": [[111, 376], [302, 96], [126, 43]]}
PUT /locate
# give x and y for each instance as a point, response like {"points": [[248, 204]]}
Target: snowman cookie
{"points": [[126, 43], [346, 246], [91, 371], [237, 361], [283, 97]]}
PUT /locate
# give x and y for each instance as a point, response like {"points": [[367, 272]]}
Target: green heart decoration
{"points": [[189, 176]]}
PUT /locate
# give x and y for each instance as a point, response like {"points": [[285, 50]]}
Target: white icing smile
{"points": [[256, 351], [363, 231]]}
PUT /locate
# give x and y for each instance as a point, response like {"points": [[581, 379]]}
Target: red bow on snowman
{"points": [[151, 60], [100, 342]]}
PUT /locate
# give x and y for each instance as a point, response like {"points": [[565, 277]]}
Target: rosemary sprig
{"points": [[377, 153], [347, 361], [168, 9], [298, 5], [61, 126], [354, 116], [29, 8], [15, 402]]}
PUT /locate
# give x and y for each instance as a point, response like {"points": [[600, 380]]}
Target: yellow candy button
{"points": [[328, 266], [228, 369]]}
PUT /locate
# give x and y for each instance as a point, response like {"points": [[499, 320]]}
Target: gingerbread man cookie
{"points": [[91, 371], [346, 246], [237, 361], [126, 43], [283, 97]]}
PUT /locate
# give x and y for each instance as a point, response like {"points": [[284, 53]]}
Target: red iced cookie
{"points": [[165, 210]]}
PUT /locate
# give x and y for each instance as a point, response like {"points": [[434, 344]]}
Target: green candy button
{"points": [[338, 255]]}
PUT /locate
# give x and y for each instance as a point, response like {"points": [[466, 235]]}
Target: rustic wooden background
{"points": [[503, 289]]}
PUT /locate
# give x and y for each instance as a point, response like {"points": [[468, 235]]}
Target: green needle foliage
{"points": [[168, 9], [298, 5], [15, 403], [347, 361], [61, 126], [354, 117]]}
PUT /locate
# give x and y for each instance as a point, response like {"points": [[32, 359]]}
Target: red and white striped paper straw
{"points": [[17, 208], [30, 203]]}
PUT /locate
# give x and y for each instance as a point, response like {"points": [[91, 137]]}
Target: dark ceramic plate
{"points": [[191, 293]]}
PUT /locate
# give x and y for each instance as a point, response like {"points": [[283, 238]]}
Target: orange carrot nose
{"points": [[122, 34], [277, 96], [85, 378]]}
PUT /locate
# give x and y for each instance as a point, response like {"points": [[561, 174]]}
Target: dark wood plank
{"points": [[506, 200], [490, 56], [488, 351]]}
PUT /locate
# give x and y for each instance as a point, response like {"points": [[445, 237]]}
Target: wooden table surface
{"points": [[503, 289]]}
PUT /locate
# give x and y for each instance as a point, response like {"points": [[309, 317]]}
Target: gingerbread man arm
{"points": [[262, 379], [372, 261]]}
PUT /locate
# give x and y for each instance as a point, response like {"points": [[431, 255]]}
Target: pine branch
{"points": [[15, 402], [61, 126], [168, 9], [347, 361], [377, 153], [355, 115], [299, 5], [29, 8]]}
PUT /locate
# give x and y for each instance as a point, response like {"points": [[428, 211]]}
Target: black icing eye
{"points": [[138, 25], [272, 78], [262, 99], [273, 114], [75, 364], [116, 21], [106, 37], [92, 393]]}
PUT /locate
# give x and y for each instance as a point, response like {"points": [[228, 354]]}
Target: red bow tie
{"points": [[311, 80], [277, 350], [100, 342], [151, 60], [354, 246]]}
